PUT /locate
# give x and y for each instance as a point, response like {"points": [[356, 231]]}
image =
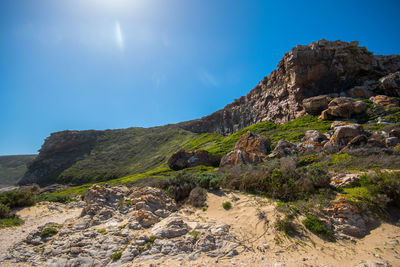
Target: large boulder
{"points": [[182, 159], [342, 136], [314, 136], [390, 84], [249, 149], [343, 107], [170, 227], [315, 105]]}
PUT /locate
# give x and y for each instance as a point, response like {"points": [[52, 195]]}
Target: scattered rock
{"points": [[344, 180], [314, 136], [391, 141], [390, 84], [170, 227], [343, 135]]}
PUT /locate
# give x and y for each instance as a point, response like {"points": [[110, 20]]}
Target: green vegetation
{"points": [[10, 222], [17, 198], [286, 225], [205, 207], [12, 168], [194, 234], [226, 205], [314, 224], [56, 198], [292, 131], [49, 230], [102, 231], [116, 255]]}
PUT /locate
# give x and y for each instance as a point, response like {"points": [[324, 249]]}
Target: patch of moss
{"points": [[102, 231], [10, 222], [116, 255], [48, 231]]}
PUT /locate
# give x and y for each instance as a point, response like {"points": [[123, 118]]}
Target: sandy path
{"points": [[35, 217]]}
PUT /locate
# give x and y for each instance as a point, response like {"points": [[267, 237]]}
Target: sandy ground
{"points": [[260, 245], [35, 217]]}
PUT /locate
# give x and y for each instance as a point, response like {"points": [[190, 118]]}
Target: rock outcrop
{"points": [[182, 159], [384, 100], [322, 68], [249, 149], [343, 107], [315, 105]]}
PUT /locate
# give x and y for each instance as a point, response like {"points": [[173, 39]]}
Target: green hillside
{"points": [[12, 168]]}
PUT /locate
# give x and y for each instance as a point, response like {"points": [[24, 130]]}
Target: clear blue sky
{"points": [[106, 64]]}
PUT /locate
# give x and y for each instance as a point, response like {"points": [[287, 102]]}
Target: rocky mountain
{"points": [[322, 68], [332, 68]]}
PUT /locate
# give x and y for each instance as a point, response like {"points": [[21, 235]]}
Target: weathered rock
{"points": [[283, 149], [394, 133], [197, 197], [384, 100], [343, 107], [360, 92], [249, 149], [342, 136], [170, 227], [390, 84], [182, 159], [356, 142], [315, 105], [314, 136], [309, 147], [320, 68], [344, 180], [349, 220]]}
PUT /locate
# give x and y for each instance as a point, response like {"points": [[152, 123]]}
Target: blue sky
{"points": [[106, 64]]}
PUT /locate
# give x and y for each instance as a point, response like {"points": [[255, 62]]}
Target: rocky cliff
{"points": [[324, 67]]}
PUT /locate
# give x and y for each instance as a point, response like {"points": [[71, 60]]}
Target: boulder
{"points": [[249, 149], [342, 136], [344, 180], [315, 105], [314, 136], [394, 133], [283, 148], [343, 107], [384, 100], [309, 147], [356, 142], [170, 227], [182, 159], [390, 84]]}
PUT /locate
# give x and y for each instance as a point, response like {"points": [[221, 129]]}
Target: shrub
{"points": [[17, 198], [48, 231], [194, 234], [205, 207], [10, 222], [56, 198], [102, 231], [116, 255], [4, 211], [314, 224], [286, 226], [226, 205]]}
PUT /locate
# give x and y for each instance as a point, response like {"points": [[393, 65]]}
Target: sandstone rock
{"points": [[197, 197], [309, 147], [249, 149], [360, 92], [344, 180], [342, 136], [314, 136], [390, 84], [384, 100], [315, 105], [283, 149], [356, 142], [343, 107], [170, 227], [182, 159], [348, 220]]}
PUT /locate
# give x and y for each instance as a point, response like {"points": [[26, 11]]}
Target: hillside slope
{"points": [[12, 168], [78, 157]]}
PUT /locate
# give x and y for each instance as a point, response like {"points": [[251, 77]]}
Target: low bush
{"points": [[17, 198], [10, 222], [116, 255], [314, 224], [286, 226], [226, 205], [48, 231], [55, 198]]}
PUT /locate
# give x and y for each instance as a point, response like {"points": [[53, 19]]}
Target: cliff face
{"points": [[324, 67]]}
